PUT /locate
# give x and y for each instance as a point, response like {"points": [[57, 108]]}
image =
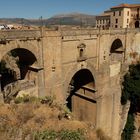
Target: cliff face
{"points": [[124, 114], [137, 126]]}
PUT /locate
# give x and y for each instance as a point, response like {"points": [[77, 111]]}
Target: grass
{"points": [[29, 117]]}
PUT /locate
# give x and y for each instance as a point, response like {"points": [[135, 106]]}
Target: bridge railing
{"points": [[17, 34], [74, 32]]}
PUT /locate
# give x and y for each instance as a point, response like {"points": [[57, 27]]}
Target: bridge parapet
{"points": [[76, 32], [17, 34]]}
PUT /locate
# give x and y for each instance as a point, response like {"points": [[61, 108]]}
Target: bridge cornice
{"points": [[18, 34], [76, 32]]}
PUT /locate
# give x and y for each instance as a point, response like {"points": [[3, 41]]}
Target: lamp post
{"points": [[41, 21]]}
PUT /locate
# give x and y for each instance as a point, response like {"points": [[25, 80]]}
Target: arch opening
{"points": [[15, 66], [81, 99], [137, 25], [116, 51]]}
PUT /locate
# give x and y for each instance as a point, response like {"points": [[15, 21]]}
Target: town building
{"points": [[121, 16]]}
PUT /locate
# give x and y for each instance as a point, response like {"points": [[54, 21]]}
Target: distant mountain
{"points": [[72, 19], [21, 21], [63, 19]]}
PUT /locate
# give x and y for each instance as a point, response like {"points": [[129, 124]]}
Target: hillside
{"points": [[64, 19], [72, 19], [30, 118]]}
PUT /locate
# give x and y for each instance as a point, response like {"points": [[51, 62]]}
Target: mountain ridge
{"points": [[74, 18]]}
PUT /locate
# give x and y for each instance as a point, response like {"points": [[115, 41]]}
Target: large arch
{"points": [[81, 100], [116, 50], [16, 66]]}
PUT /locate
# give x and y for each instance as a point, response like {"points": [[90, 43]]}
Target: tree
{"points": [[131, 91]]}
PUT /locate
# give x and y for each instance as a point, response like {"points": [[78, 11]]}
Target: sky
{"points": [[35, 9]]}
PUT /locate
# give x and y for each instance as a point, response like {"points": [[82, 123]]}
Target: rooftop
{"points": [[125, 5]]}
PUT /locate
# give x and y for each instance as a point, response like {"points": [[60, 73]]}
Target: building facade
{"points": [[121, 16]]}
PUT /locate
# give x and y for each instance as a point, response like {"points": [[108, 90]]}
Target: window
{"points": [[101, 21], [114, 14], [127, 13], [127, 20], [116, 26], [81, 49], [81, 52], [116, 20], [119, 13]]}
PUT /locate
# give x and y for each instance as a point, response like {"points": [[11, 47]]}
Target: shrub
{"points": [[61, 135], [26, 99], [48, 100], [45, 135], [72, 135], [129, 128], [131, 91]]}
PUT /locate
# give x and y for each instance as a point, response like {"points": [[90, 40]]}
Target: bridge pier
{"points": [[41, 87]]}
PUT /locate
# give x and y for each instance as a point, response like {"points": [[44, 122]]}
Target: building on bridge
{"points": [[121, 16]]}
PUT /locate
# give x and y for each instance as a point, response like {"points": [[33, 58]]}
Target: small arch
{"points": [[137, 25], [116, 50]]}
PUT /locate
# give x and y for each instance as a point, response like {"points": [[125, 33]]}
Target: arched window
{"points": [[81, 50]]}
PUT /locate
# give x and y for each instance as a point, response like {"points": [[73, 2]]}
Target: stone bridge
{"points": [[82, 68]]}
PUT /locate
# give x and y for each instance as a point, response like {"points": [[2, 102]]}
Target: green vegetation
{"points": [[31, 99], [26, 99], [131, 92], [61, 135], [129, 128], [37, 119]]}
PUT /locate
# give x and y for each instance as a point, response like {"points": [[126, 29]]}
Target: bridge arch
{"points": [[116, 50], [81, 99], [27, 45], [16, 65]]}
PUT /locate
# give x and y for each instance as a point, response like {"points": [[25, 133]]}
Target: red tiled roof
{"points": [[125, 5]]}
